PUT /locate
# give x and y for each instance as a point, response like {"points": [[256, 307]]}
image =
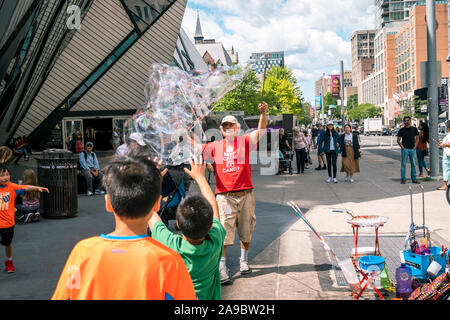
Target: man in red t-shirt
{"points": [[234, 188]]}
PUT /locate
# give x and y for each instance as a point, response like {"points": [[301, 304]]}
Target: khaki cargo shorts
{"points": [[237, 211]]}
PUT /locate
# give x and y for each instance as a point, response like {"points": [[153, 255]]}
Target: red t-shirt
{"points": [[8, 194], [231, 163]]}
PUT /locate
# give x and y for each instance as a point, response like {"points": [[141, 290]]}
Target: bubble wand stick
{"points": [[266, 55]]}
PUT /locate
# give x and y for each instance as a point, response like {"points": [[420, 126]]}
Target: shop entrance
{"points": [[99, 131]]}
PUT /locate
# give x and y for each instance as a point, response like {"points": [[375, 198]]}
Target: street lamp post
{"points": [[433, 101]]}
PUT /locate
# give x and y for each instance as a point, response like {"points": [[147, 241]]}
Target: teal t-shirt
{"points": [[202, 261]]}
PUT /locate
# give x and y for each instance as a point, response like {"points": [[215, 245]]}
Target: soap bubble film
{"points": [[176, 103]]}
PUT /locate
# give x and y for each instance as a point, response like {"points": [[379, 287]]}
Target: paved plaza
{"points": [[288, 261]]}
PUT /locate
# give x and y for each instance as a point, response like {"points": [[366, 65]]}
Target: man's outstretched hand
{"points": [[263, 107]]}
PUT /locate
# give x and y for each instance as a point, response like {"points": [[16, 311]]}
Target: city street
{"points": [[288, 261]]}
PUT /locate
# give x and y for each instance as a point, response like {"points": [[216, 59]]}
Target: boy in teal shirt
{"points": [[201, 244]]}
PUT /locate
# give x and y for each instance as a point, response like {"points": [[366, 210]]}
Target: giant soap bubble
{"points": [[176, 103]]}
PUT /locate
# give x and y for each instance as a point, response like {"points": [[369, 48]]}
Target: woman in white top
{"points": [[350, 153], [300, 145], [445, 144]]}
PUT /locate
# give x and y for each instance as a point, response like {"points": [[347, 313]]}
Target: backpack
{"points": [[79, 146]]}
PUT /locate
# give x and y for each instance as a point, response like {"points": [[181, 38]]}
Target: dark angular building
{"points": [[68, 65]]}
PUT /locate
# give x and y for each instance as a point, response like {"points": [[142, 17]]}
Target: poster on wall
{"points": [[335, 85]]}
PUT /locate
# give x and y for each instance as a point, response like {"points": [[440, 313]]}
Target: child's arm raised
{"points": [[197, 173]]}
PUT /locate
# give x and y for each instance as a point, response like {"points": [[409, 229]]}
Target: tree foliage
{"points": [[364, 111], [244, 97], [281, 92]]}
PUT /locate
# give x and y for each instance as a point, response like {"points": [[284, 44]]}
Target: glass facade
{"points": [[144, 13], [29, 50], [258, 61]]}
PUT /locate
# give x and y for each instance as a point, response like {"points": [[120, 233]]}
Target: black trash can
{"points": [[57, 171]]}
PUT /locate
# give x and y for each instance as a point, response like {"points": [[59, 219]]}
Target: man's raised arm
{"points": [[262, 125]]}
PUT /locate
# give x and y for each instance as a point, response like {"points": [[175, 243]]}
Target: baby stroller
{"points": [[173, 191], [286, 159]]}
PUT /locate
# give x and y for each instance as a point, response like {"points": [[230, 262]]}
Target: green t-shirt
{"points": [[202, 261]]}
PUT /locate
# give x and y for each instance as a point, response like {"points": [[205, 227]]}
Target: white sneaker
{"points": [[351, 180], [244, 267], [224, 275], [335, 180], [89, 193], [329, 180]]}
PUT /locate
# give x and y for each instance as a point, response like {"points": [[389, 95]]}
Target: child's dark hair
{"points": [[133, 186], [195, 217], [3, 169]]}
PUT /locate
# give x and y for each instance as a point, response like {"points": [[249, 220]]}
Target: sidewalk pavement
{"points": [[288, 260], [295, 265]]}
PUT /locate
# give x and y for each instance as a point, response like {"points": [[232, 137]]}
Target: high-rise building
{"points": [[322, 85], [400, 47], [411, 47], [54, 79], [387, 11], [258, 61], [362, 42]]}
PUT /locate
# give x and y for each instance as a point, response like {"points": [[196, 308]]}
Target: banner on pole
{"points": [[335, 85], [318, 102], [311, 112]]}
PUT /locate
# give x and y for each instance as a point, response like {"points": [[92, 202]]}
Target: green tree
{"points": [[364, 111], [244, 97], [282, 93], [352, 101], [305, 116]]}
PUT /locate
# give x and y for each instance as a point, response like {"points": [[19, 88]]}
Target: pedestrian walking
{"points": [[357, 132], [234, 188], [283, 146], [350, 153], [320, 152], [314, 132], [408, 139], [331, 145], [422, 148], [308, 161], [300, 144], [445, 144]]}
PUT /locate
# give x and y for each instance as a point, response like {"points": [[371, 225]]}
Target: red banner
{"points": [[335, 85]]}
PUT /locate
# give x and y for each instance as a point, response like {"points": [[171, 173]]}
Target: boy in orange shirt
{"points": [[8, 193], [126, 264]]}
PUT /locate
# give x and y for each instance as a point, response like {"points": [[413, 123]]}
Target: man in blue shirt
{"points": [[90, 169]]}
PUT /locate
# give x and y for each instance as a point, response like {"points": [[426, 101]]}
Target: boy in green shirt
{"points": [[201, 244]]}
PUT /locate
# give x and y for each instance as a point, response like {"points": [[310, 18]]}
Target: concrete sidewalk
{"points": [[296, 266], [288, 261]]}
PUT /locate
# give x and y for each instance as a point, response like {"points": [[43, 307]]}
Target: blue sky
{"points": [[315, 35]]}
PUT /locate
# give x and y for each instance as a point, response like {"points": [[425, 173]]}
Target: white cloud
{"points": [[315, 35]]}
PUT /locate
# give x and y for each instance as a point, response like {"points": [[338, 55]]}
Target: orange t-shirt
{"points": [[124, 268], [8, 194]]}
